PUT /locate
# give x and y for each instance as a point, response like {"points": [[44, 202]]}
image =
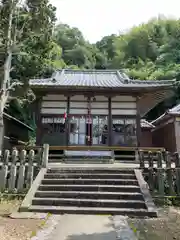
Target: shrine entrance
{"points": [[89, 134], [88, 130]]}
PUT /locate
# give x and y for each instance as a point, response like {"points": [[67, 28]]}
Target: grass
{"points": [[42, 225]]}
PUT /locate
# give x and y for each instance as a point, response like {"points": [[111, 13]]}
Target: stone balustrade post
{"points": [[45, 156]]}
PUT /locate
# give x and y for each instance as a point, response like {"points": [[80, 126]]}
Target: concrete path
{"points": [[89, 227]]}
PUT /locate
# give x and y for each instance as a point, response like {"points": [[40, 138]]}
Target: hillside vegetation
{"points": [[148, 51]]}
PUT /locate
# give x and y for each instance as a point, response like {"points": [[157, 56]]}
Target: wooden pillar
{"points": [[109, 121], [138, 123], [67, 127], [38, 120], [89, 117]]}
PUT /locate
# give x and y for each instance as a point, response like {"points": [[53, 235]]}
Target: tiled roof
{"points": [[93, 78], [146, 124]]}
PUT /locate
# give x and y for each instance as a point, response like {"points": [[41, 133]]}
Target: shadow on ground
{"points": [[165, 227], [95, 236]]}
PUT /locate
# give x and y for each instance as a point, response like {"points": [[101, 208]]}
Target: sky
{"points": [[99, 18]]}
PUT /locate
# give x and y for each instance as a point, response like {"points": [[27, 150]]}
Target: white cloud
{"points": [[97, 18]]}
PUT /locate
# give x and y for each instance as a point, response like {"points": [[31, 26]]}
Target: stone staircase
{"points": [[90, 190]]}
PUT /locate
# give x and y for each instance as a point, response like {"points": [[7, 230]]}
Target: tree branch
{"points": [[14, 85]]}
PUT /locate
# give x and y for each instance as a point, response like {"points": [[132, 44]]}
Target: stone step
{"points": [[90, 175], [125, 156], [90, 195], [90, 170], [78, 157], [131, 212], [80, 161], [89, 202], [88, 161], [90, 189], [87, 188], [90, 181]]}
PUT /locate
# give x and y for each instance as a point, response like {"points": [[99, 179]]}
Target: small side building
{"points": [[15, 132], [167, 130], [146, 133]]}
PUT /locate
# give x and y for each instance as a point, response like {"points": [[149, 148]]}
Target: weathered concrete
{"points": [[84, 227], [116, 165], [49, 228], [28, 215], [28, 199], [45, 156], [94, 166], [146, 193], [128, 206]]}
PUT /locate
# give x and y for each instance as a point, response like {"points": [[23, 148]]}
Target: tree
{"points": [[7, 43], [75, 49], [24, 30]]}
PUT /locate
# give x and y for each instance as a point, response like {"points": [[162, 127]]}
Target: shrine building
{"points": [[94, 107]]}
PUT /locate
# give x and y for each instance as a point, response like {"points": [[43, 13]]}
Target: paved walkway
{"points": [[87, 227]]}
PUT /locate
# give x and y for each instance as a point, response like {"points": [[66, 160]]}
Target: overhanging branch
{"points": [[14, 85]]}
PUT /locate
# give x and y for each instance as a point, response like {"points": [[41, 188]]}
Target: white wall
{"points": [[53, 104], [123, 105], [56, 104]]}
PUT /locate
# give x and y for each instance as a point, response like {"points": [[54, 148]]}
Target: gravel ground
{"points": [[16, 229], [166, 227]]}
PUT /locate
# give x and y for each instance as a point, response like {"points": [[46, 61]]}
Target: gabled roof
{"points": [[94, 78], [175, 111]]}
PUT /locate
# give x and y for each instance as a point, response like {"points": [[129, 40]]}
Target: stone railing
{"points": [[19, 168], [162, 172]]}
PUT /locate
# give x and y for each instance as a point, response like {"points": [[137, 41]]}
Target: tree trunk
{"points": [[8, 53], [1, 131], [7, 68]]}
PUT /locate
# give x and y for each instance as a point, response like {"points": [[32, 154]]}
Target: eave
{"points": [[7, 116], [146, 125]]}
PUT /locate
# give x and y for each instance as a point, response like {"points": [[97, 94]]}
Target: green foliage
{"points": [[148, 51], [34, 51]]}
